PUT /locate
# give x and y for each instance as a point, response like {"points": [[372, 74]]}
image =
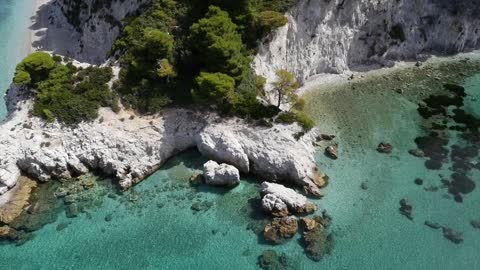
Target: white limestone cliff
{"points": [[84, 30], [336, 36]]}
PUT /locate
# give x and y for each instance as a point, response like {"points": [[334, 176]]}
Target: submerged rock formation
{"points": [[130, 149], [281, 229], [337, 36]]}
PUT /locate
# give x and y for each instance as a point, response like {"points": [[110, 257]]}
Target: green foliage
{"points": [[304, 121], [62, 92], [296, 116], [217, 45], [33, 69], [269, 20], [285, 86], [214, 88], [173, 47]]}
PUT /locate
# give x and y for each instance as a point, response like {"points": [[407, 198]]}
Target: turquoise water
{"points": [[14, 22], [153, 226]]}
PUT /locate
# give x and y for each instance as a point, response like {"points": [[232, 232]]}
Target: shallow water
{"points": [[14, 36]]}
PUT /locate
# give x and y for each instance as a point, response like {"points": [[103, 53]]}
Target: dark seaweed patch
{"points": [[461, 184]]}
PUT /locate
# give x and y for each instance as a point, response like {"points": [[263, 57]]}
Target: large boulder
{"points": [[220, 174], [272, 204], [296, 203]]}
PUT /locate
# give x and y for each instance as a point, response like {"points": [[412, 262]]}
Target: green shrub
{"points": [[62, 92], [304, 121], [270, 20], [33, 69], [297, 116], [286, 118], [214, 88]]}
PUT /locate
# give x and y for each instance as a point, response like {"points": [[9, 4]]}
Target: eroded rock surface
{"points": [[132, 149]]}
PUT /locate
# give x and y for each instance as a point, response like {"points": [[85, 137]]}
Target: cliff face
{"points": [[334, 36], [86, 30]]}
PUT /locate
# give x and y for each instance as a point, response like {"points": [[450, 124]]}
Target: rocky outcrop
{"points": [[281, 229], [296, 203], [272, 204], [337, 36], [130, 149], [220, 174], [317, 241]]}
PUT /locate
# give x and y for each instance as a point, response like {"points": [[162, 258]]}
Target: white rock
{"points": [[271, 203], [220, 174], [293, 200]]}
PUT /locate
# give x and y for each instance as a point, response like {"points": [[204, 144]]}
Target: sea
{"points": [[165, 222]]}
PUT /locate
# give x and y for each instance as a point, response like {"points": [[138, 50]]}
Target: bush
{"points": [[62, 92], [33, 69], [270, 20], [286, 118], [300, 117], [214, 88], [304, 121]]}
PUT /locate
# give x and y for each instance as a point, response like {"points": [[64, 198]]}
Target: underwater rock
{"points": [[196, 178], [269, 260], [221, 174], [461, 184], [475, 223], [452, 235], [275, 206], [295, 202], [419, 181], [69, 199], [62, 226], [281, 229], [316, 240], [8, 234], [364, 185], [72, 211], [416, 152], [14, 202], [433, 225], [61, 192], [309, 223], [201, 206], [431, 188], [406, 208], [109, 217], [331, 152], [385, 148], [325, 137]]}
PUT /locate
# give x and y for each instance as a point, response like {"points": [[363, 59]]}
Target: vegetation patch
{"points": [[62, 91]]}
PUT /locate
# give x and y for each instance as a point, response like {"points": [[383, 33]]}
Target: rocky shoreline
{"points": [[130, 147]]}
